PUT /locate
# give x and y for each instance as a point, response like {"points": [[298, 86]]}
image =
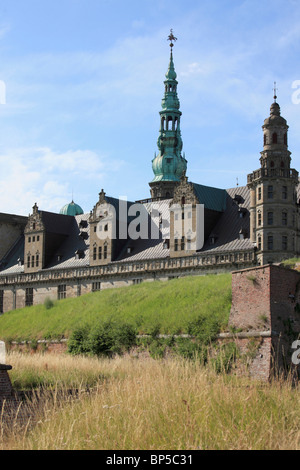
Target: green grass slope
{"points": [[172, 305]]}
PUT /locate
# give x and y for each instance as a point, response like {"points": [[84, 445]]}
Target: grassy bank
{"points": [[170, 305], [159, 405]]}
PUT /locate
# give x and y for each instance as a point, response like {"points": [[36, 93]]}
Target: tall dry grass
{"points": [[157, 405]]}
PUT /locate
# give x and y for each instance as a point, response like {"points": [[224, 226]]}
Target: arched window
{"points": [[274, 138]]}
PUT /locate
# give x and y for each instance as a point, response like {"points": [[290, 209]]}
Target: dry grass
{"points": [[156, 405]]}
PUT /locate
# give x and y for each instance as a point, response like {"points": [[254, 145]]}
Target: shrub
{"points": [[191, 349], [48, 303], [78, 342], [157, 349], [106, 339], [205, 329]]}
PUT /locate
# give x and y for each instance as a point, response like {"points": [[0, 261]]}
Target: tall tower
{"points": [[169, 165], [273, 199]]}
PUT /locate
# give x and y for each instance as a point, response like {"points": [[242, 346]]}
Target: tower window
{"points": [[105, 252], [284, 218], [32, 261], [270, 218], [284, 192], [37, 260], [270, 242], [176, 244], [94, 253], [259, 243], [274, 138], [259, 219], [284, 242], [100, 252], [265, 139], [270, 192], [272, 164], [259, 193], [285, 139]]}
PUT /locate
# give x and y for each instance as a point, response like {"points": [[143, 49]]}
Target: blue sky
{"points": [[84, 83]]}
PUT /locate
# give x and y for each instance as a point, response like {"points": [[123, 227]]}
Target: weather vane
{"points": [[171, 38], [275, 89]]}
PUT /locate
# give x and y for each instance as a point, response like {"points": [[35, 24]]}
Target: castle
{"points": [[70, 253]]}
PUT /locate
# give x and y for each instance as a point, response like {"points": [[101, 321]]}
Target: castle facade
{"points": [[184, 228]]}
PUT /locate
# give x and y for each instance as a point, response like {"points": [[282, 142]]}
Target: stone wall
{"points": [[79, 281]]}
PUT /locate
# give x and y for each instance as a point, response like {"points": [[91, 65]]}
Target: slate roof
{"points": [[230, 223], [226, 231], [151, 248], [74, 243]]}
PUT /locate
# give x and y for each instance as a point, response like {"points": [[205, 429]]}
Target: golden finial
{"points": [[171, 38]]}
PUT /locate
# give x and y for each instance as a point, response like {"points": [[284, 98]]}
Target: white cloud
{"points": [[29, 175]]}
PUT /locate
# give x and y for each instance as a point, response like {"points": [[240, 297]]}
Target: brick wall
{"points": [[268, 298]]}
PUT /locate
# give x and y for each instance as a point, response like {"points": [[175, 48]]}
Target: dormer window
{"points": [[79, 254], [242, 212], [238, 199], [83, 224], [212, 239], [83, 235], [242, 234], [166, 244]]}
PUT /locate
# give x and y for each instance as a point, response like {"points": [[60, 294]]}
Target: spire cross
{"points": [[275, 89], [171, 38]]}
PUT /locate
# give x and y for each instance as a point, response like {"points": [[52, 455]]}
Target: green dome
{"points": [[71, 209]]}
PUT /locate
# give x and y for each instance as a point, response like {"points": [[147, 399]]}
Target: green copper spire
{"points": [[169, 164]]}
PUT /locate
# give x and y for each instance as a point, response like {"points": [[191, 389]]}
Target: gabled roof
{"points": [[56, 223]]}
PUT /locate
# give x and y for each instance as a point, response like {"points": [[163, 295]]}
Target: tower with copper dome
{"points": [[169, 165], [273, 196]]}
